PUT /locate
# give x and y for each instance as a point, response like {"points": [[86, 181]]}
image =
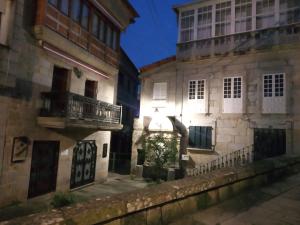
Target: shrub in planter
{"points": [[160, 153]]}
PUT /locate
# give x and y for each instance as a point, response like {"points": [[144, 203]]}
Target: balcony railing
{"points": [[239, 43], [76, 107]]}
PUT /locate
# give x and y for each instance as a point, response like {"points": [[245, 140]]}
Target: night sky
{"points": [[154, 35]]}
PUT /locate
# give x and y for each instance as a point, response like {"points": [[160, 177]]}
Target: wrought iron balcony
{"points": [[239, 43], [65, 109]]}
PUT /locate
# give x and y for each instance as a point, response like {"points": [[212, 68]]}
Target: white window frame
{"points": [[198, 103], [227, 22], [243, 19], [233, 97], [204, 13], [264, 15], [272, 102], [191, 29]]}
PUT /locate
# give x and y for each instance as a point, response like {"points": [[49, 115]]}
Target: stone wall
{"points": [[231, 131], [169, 201]]}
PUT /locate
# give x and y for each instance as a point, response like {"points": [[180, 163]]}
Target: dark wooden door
{"points": [[60, 79], [44, 165], [90, 91], [269, 143], [84, 163]]}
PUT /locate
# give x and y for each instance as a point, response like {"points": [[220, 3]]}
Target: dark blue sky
{"points": [[154, 35]]}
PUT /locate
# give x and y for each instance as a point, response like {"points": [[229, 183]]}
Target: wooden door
{"points": [[84, 163], [44, 166], [60, 80], [269, 143]]}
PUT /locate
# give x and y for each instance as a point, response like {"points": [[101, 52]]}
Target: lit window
{"points": [[289, 12], [243, 15], [160, 91], [204, 22], [187, 26], [223, 18], [196, 89], [265, 13]]}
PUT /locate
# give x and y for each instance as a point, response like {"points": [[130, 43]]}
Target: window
{"points": [[223, 18], [62, 5], [95, 26], [274, 93], [273, 85], [160, 91], [187, 26], [265, 13], [236, 91], [200, 137], [289, 12], [75, 11], [232, 102], [85, 16], [204, 22], [243, 15], [196, 89]]}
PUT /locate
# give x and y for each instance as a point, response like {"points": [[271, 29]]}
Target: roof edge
{"points": [[157, 64]]}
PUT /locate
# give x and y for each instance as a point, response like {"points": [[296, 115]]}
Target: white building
{"points": [[234, 82]]}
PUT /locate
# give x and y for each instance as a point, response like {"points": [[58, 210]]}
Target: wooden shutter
{"points": [[160, 91], [200, 137]]}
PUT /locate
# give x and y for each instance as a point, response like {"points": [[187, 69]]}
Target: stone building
{"points": [[59, 64], [234, 83], [128, 98]]}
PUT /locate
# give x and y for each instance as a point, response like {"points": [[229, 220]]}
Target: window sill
{"points": [[202, 150]]}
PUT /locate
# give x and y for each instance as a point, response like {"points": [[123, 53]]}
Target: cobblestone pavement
{"points": [[277, 204], [115, 184]]}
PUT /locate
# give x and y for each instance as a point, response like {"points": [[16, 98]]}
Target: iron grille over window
{"points": [[200, 137]]}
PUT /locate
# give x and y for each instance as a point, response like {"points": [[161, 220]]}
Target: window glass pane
{"points": [[85, 16], [53, 2], [265, 10], [64, 6], [227, 88], [204, 22], [223, 18], [279, 85], [75, 11], [115, 40], [268, 86], [102, 30], [108, 36], [95, 25], [237, 87], [187, 26], [289, 12], [243, 16], [192, 89]]}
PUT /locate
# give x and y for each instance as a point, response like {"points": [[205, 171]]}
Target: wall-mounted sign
{"points": [[185, 157], [20, 149]]}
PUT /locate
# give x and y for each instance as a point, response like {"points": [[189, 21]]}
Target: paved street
{"points": [[114, 185], [278, 204]]}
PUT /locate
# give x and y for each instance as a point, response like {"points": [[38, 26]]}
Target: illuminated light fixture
{"points": [[160, 122], [48, 48]]}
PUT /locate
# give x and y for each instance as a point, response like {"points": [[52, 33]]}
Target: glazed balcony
{"points": [[239, 43], [64, 109]]}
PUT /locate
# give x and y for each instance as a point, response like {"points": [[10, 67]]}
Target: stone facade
{"points": [[234, 129], [26, 70]]}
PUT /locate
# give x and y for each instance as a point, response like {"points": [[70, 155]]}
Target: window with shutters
{"points": [[160, 91], [200, 137], [232, 95], [274, 93]]}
